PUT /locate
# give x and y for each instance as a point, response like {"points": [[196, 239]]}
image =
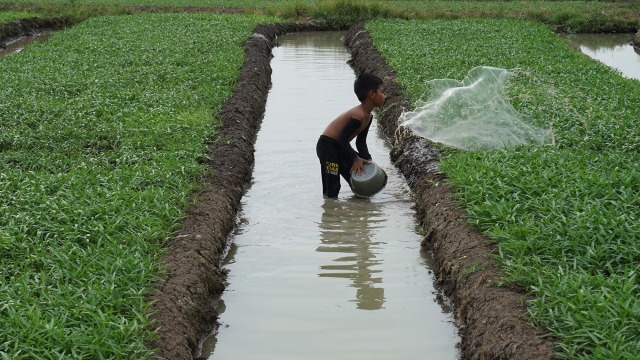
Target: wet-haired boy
{"points": [[337, 157]]}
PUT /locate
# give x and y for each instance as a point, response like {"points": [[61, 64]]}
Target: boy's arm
{"points": [[361, 143], [345, 135]]}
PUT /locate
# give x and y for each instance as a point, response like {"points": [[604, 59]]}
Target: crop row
{"points": [[101, 128], [565, 217]]}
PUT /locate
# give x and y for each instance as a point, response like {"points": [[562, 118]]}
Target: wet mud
{"points": [[30, 27], [492, 319]]}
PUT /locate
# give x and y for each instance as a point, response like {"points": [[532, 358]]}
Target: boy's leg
{"points": [[345, 170], [329, 167], [330, 181]]}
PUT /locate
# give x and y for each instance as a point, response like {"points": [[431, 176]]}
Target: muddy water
{"points": [[18, 44], [314, 278], [614, 50]]}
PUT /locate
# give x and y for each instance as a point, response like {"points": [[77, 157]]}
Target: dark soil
{"points": [[29, 27]]}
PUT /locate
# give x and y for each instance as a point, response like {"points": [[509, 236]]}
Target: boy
{"points": [[337, 157]]}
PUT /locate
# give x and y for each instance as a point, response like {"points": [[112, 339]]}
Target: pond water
{"points": [[613, 50], [314, 278]]}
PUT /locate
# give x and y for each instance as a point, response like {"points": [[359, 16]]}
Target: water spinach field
{"points": [[105, 132], [564, 218], [102, 129]]}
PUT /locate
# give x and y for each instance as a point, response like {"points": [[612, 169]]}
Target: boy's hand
{"points": [[358, 165]]}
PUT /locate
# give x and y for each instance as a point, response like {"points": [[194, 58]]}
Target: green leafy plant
{"points": [[564, 218], [102, 129]]}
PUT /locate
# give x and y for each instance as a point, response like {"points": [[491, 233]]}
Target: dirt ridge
{"points": [[181, 306], [493, 319]]}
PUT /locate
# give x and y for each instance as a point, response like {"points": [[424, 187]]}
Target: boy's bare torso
{"points": [[334, 128]]}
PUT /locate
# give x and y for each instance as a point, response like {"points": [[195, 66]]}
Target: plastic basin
{"points": [[370, 181]]}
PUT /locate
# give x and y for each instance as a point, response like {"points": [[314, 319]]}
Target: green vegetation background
{"points": [[101, 128], [103, 123]]}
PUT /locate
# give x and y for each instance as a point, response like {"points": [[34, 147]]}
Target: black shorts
{"points": [[333, 164]]}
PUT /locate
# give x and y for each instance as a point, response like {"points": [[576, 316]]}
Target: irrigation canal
{"points": [[314, 278]]}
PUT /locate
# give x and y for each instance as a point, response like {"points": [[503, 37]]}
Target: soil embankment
{"points": [[636, 40], [28, 27], [493, 319]]}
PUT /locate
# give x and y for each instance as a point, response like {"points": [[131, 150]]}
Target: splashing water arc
{"points": [[473, 114]]}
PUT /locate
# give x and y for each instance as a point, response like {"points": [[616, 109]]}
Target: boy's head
{"points": [[365, 83]]}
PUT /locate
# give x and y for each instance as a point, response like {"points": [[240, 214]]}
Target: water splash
{"points": [[473, 114]]}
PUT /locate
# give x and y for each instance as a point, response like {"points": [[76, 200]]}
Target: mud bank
{"points": [[636, 40], [28, 27], [492, 319]]}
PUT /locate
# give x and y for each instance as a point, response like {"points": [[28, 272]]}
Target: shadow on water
{"points": [[313, 278]]}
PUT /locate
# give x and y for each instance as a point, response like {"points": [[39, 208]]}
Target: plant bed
{"points": [[104, 136]]}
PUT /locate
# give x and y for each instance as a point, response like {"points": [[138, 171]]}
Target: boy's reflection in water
{"points": [[347, 228]]}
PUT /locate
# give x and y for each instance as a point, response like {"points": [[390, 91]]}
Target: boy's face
{"points": [[378, 96]]}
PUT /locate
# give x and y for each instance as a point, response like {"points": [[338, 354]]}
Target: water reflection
{"points": [[347, 229], [327, 42], [598, 42]]}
